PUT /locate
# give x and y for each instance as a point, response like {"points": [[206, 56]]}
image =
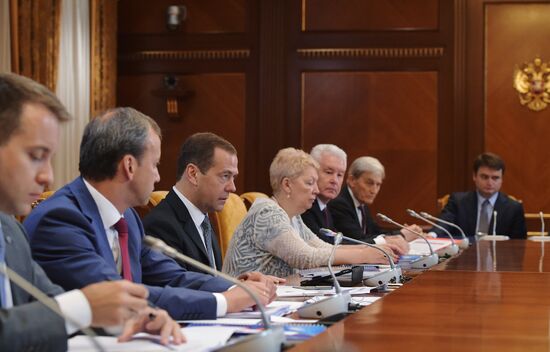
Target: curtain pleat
{"points": [[35, 39], [103, 55]]}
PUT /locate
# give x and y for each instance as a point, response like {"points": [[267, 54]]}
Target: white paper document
{"points": [[199, 338], [275, 308], [420, 247], [291, 291]]}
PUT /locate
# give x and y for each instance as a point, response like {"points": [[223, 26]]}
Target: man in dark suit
{"points": [[30, 116], [207, 167], [473, 211], [87, 231], [332, 168], [350, 209]]}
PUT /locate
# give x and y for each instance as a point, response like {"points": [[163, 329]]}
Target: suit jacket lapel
{"points": [[186, 221], [500, 206], [89, 209], [471, 213], [347, 197], [319, 217], [135, 238]]}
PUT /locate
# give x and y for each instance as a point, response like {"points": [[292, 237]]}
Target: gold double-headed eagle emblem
{"points": [[532, 81]]}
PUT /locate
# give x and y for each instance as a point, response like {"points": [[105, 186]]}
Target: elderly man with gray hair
{"points": [[332, 168], [350, 210]]}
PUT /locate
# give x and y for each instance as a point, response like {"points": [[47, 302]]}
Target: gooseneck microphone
{"points": [[426, 261], [49, 302], [464, 243], [452, 249], [494, 236], [271, 339], [379, 280], [542, 237], [333, 305]]}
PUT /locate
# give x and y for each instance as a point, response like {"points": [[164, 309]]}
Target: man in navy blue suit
{"points": [[473, 211], [88, 232]]}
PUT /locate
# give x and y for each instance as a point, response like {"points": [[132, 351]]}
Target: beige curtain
{"points": [[5, 46], [73, 86]]}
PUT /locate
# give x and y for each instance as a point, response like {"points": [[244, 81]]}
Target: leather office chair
{"points": [[249, 198], [154, 199], [45, 195], [227, 220]]}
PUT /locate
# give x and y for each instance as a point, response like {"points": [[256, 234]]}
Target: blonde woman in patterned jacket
{"points": [[273, 239]]}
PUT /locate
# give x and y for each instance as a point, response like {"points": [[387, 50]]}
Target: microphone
{"points": [[49, 302], [426, 261], [542, 237], [465, 241], [271, 339], [494, 236], [379, 280], [449, 251], [333, 305]]}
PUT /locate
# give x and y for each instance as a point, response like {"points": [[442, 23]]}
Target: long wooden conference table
{"points": [[493, 296]]}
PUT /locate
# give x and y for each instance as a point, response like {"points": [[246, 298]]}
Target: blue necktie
{"points": [[3, 293]]}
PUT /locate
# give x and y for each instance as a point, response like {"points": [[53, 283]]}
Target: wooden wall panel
{"points": [[518, 134], [369, 15], [392, 116], [203, 16], [218, 105]]}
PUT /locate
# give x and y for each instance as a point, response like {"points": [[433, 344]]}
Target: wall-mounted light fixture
{"points": [[175, 15]]}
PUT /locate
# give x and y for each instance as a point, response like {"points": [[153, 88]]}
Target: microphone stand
{"points": [[542, 237], [380, 280], [333, 305], [465, 241], [271, 339], [49, 302], [448, 251], [426, 261], [494, 236]]}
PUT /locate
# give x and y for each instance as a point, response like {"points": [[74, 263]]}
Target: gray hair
{"points": [[111, 136], [366, 164], [320, 149], [290, 163]]}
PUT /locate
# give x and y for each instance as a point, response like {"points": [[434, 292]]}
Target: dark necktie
{"points": [[364, 219], [207, 234], [483, 217], [326, 218], [3, 292], [122, 228]]}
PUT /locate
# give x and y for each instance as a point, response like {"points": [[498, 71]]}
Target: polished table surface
{"points": [[512, 255], [477, 308]]}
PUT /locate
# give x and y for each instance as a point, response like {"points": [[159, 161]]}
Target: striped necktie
{"points": [[207, 234]]}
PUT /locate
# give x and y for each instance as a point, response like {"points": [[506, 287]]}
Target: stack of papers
{"points": [[275, 308], [420, 247], [310, 291], [217, 337]]}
